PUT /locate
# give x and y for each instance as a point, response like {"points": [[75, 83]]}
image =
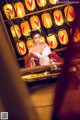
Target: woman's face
{"points": [[37, 38]]}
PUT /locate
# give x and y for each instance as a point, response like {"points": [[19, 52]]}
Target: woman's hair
{"points": [[35, 32]]}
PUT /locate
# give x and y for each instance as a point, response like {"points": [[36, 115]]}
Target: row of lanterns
{"points": [[46, 21], [52, 39], [20, 10]]}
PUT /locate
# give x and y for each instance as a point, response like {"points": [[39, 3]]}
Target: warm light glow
{"points": [[29, 43], [53, 1], [15, 31], [69, 13], [25, 28], [30, 4], [52, 41], [19, 8], [41, 3], [58, 17], [46, 20], [9, 11], [63, 36], [76, 37], [42, 39], [21, 48], [35, 22]]}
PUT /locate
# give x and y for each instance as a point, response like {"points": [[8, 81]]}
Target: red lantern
{"points": [[35, 22], [76, 37], [9, 11], [58, 17], [21, 48], [63, 36], [25, 27], [15, 31], [46, 20], [30, 4], [52, 41], [53, 1], [19, 8], [41, 3], [69, 13], [29, 43]]}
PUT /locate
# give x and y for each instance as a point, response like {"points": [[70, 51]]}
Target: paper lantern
{"points": [[30, 4], [63, 36], [46, 20], [15, 31], [58, 17], [9, 11], [29, 43], [53, 1], [41, 3], [21, 47], [52, 41], [69, 13], [25, 28], [42, 39], [35, 22], [76, 36], [19, 8]]}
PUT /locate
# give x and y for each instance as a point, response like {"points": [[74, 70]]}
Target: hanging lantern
{"points": [[53, 1], [9, 11], [41, 3], [35, 23], [76, 36], [58, 17], [46, 20], [30, 4], [25, 28], [15, 31], [52, 41], [29, 43], [63, 36], [69, 13], [42, 39], [21, 48], [19, 8]]}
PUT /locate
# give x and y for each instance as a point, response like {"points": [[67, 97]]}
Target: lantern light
{"points": [[19, 8], [9, 11], [30, 4], [42, 39], [76, 36], [63, 36], [41, 3], [29, 43], [21, 47], [69, 13], [52, 41], [53, 1], [58, 17], [25, 28], [15, 31], [46, 20], [35, 22]]}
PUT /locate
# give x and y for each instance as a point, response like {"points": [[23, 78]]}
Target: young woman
{"points": [[40, 53]]}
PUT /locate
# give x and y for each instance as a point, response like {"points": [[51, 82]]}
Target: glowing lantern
{"points": [[46, 20], [42, 39], [76, 37], [63, 36], [19, 8], [29, 43], [53, 1], [41, 3], [69, 13], [15, 31], [52, 41], [9, 11], [25, 28], [21, 48], [35, 22], [30, 4], [58, 17]]}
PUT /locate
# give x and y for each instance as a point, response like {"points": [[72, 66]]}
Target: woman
{"points": [[40, 53]]}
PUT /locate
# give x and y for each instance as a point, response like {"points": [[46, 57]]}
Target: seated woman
{"points": [[40, 54]]}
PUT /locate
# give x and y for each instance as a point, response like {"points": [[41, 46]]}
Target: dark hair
{"points": [[35, 32]]}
